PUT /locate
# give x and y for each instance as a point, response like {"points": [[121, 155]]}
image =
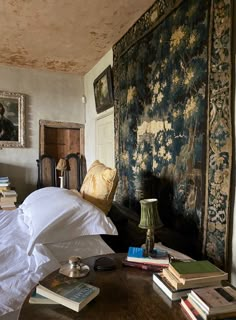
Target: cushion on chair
{"points": [[99, 185]]}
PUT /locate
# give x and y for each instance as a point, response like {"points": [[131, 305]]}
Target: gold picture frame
{"points": [[12, 120], [103, 90]]}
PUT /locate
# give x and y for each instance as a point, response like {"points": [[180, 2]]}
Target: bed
{"points": [[36, 238]]}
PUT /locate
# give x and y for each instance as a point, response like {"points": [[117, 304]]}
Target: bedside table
{"points": [[125, 294]]}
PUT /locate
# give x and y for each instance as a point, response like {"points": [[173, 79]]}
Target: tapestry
{"points": [[172, 81]]}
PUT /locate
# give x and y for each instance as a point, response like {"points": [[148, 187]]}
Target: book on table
{"points": [[213, 300], [194, 269], [36, 298], [173, 294], [193, 282], [190, 311], [71, 293], [143, 266], [157, 257]]}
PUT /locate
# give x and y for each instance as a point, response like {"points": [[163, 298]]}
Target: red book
{"points": [[190, 310], [144, 266]]}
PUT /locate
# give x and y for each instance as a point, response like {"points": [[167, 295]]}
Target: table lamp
{"points": [[149, 220], [62, 166]]}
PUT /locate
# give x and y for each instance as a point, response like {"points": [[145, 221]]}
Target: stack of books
{"points": [[156, 261], [215, 302], [4, 183], [71, 293], [180, 277], [8, 199]]}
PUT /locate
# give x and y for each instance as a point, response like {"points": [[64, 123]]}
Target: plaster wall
{"points": [[90, 108], [49, 96]]}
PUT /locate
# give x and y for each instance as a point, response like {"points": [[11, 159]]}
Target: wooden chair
{"points": [[46, 172], [75, 175]]}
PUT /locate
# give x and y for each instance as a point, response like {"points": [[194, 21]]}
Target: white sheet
{"points": [[19, 272]]}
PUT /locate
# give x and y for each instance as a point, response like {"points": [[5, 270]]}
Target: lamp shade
{"points": [[62, 165], [150, 218]]}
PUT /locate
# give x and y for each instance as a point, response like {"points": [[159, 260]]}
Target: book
{"points": [[214, 300], [194, 269], [7, 200], [167, 288], [9, 193], [158, 257], [71, 293], [36, 298], [143, 266], [4, 184], [191, 283], [191, 312], [162, 295]]}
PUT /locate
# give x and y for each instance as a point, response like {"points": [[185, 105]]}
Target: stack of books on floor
{"points": [[210, 303], [156, 261], [179, 278], [8, 199], [71, 293]]}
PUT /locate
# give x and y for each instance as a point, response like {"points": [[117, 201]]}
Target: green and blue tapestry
{"points": [[161, 75]]}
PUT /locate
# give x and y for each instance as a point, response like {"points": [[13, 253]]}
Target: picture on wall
{"points": [[103, 90], [12, 127]]}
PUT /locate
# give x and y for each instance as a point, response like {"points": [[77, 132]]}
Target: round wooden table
{"points": [[125, 293]]}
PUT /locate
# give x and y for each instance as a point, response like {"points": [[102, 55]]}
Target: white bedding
{"points": [[20, 272]]}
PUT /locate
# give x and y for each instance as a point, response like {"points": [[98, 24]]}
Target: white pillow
{"points": [[56, 214]]}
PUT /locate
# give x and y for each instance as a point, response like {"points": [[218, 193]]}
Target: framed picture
{"points": [[103, 90], [12, 120]]}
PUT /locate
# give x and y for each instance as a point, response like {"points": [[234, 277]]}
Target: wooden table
{"points": [[125, 294]]}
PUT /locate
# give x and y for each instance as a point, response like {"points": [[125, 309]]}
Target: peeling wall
{"points": [[50, 96]]}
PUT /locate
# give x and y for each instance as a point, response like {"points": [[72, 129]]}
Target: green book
{"points": [[194, 269]]}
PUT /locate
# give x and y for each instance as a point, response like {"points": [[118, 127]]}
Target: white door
{"points": [[105, 140]]}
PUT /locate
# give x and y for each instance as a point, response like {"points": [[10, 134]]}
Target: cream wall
{"points": [[50, 96], [90, 109]]}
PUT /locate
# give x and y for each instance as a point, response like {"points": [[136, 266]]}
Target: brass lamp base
{"points": [[150, 242]]}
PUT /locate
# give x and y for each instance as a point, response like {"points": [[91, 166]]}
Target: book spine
{"points": [[142, 266]]}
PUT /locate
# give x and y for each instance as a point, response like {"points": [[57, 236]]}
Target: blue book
{"points": [[70, 293], [157, 256]]}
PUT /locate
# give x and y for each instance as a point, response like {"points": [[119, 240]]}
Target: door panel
{"points": [[58, 139], [105, 140]]}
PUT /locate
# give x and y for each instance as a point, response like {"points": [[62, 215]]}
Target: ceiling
{"points": [[64, 35]]}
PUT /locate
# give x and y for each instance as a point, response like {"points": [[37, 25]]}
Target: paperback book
{"points": [[191, 312], [173, 294], [71, 293], [143, 266], [214, 300], [36, 298], [157, 257]]}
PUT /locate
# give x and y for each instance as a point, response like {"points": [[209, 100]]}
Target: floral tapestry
{"points": [[173, 119]]}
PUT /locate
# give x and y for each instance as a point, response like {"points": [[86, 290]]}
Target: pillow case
{"points": [[99, 185], [56, 214]]}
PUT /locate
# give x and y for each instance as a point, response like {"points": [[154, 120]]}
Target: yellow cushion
{"points": [[99, 186]]}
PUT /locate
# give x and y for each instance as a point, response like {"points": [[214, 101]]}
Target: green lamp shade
{"points": [[150, 218]]}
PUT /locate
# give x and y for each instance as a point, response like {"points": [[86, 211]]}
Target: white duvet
{"points": [[19, 273]]}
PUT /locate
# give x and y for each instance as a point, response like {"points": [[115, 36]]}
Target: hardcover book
{"points": [[167, 288], [194, 269], [214, 300], [157, 257], [71, 293], [190, 283]]}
